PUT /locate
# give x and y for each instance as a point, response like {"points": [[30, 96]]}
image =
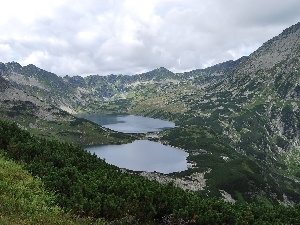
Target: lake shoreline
{"points": [[143, 155]]}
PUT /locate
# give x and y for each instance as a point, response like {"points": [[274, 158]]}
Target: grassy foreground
{"points": [[23, 199]]}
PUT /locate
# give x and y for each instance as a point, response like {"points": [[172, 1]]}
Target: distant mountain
{"points": [[274, 63], [42, 118], [75, 93], [40, 83], [214, 73]]}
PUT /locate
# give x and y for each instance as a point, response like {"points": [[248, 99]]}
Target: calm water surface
{"points": [[129, 123], [143, 155]]}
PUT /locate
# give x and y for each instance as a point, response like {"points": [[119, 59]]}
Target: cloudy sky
{"points": [[102, 37]]}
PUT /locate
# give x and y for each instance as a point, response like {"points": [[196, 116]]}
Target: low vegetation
{"points": [[24, 199], [59, 125], [88, 187], [240, 176]]}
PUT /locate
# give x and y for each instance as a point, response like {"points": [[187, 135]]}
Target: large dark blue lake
{"points": [[141, 155]]}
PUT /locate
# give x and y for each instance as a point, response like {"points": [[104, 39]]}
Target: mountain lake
{"points": [[140, 155], [129, 123]]}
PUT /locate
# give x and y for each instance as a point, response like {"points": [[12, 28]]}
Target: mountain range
{"points": [[243, 113]]}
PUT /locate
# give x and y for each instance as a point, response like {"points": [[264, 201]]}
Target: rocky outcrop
{"points": [[194, 182], [12, 98]]}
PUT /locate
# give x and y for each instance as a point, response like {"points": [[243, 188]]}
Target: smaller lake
{"points": [[143, 155], [129, 123]]}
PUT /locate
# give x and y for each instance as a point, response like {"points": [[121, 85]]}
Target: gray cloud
{"points": [[133, 36]]}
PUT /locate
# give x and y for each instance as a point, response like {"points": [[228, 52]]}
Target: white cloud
{"points": [[36, 57], [5, 48], [131, 36]]}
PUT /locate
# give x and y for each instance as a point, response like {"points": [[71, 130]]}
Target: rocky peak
{"points": [[280, 48], [275, 63], [14, 67], [292, 29], [11, 67], [75, 81], [32, 68], [157, 74], [163, 70]]}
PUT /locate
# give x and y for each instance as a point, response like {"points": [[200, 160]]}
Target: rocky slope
{"points": [[75, 94], [257, 108], [3, 84], [266, 87], [44, 119]]}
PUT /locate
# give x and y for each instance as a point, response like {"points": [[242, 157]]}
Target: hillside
{"points": [[255, 109], [44, 119], [90, 188], [253, 112], [24, 199]]}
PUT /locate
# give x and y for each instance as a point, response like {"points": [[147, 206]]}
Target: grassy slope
{"points": [[23, 199]]}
